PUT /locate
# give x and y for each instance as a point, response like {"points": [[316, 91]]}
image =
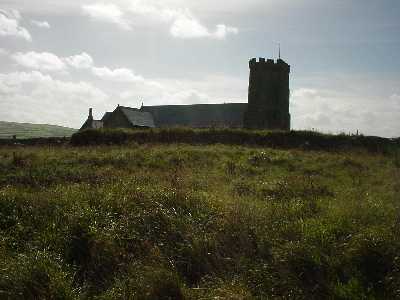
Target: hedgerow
{"points": [[276, 139]]}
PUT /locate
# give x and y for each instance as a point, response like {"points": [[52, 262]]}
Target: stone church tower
{"points": [[268, 103]]}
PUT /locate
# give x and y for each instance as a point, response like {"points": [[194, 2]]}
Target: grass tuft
{"points": [[206, 221]]}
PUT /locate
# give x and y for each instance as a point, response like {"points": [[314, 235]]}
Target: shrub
{"points": [[146, 282], [99, 137], [397, 158], [34, 276], [351, 290], [95, 260], [373, 257], [281, 139], [311, 269]]}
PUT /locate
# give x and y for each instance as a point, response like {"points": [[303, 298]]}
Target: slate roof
{"points": [[106, 116], [198, 115], [138, 118]]}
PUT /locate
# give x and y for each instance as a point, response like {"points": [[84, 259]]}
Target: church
{"points": [[267, 107]]}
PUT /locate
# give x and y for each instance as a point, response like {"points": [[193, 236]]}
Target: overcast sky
{"points": [[60, 57]]}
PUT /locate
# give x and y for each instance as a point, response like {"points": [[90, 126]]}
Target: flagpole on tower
{"points": [[279, 46]]}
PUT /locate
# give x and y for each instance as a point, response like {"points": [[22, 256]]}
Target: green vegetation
{"points": [[25, 130], [276, 139], [180, 221]]}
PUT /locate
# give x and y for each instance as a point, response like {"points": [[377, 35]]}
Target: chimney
{"points": [[90, 113]]}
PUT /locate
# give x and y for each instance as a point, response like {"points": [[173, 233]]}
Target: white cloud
{"points": [[117, 75], [9, 25], [235, 6], [41, 24], [11, 83], [3, 51], [223, 31], [185, 27], [188, 27], [44, 61], [327, 111], [109, 13], [38, 98], [395, 98], [305, 93], [210, 89], [182, 23], [80, 61], [163, 95]]}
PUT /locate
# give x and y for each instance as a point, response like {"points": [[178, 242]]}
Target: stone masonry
{"points": [[268, 101]]}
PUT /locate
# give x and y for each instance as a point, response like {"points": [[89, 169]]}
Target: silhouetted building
{"points": [[267, 107], [268, 102], [198, 115]]}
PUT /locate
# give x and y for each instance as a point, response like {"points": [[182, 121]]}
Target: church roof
{"points": [[138, 118], [198, 115], [106, 116]]}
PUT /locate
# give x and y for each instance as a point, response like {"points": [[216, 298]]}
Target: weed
{"points": [[152, 282], [144, 219], [34, 276]]}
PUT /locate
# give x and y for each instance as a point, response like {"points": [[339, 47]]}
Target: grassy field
{"points": [[26, 130], [179, 221]]}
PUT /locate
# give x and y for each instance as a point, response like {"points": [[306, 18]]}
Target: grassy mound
{"points": [[26, 130], [278, 139], [198, 222]]}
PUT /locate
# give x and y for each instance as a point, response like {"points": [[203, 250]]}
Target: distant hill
{"points": [[26, 130]]}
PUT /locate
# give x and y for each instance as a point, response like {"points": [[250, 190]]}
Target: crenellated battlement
{"points": [[272, 64]]}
